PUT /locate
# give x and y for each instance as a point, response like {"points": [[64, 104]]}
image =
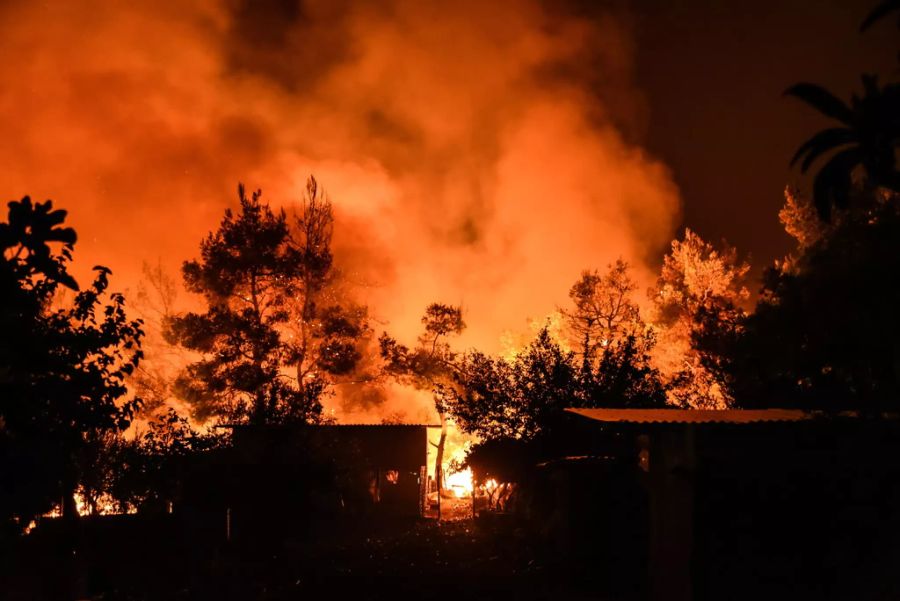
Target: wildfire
{"points": [[460, 483], [104, 506]]}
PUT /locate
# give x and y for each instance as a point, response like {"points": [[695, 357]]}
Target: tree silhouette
{"points": [[824, 334], [327, 332], [867, 137], [155, 301], [247, 273], [882, 10], [63, 364], [524, 398], [147, 470], [603, 310], [499, 399], [431, 365], [625, 376]]}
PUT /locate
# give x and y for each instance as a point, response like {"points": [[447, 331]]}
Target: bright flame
{"points": [[460, 482]]}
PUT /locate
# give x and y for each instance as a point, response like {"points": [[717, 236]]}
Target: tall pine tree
{"points": [[248, 273]]}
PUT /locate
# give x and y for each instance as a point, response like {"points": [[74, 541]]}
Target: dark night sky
{"points": [[712, 74]]}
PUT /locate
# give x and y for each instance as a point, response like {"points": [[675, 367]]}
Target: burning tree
{"points": [[63, 364], [615, 343], [431, 365], [603, 311], [698, 287], [800, 220]]}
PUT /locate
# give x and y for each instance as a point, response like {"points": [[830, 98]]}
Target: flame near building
{"points": [[476, 153]]}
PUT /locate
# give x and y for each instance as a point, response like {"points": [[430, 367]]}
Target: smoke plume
{"points": [[474, 150]]}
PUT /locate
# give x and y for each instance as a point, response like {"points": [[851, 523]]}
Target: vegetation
{"points": [[698, 285], [865, 141], [262, 279], [276, 331], [824, 334], [432, 365], [63, 364]]}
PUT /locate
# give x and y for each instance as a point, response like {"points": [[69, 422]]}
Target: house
{"points": [[280, 480], [733, 504]]}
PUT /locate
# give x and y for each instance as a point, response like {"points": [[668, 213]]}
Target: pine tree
{"points": [[248, 273]]}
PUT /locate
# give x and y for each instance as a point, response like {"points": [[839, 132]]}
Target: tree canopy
{"points": [[824, 334], [248, 272], [64, 363]]}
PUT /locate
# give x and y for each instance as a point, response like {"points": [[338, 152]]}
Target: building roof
{"points": [[693, 416], [327, 425]]}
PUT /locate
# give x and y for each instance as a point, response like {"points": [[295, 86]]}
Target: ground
{"points": [[429, 560], [424, 559]]}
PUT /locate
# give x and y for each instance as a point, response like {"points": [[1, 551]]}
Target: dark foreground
{"points": [[419, 560]]}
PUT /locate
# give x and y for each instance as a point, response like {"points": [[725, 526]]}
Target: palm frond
{"points": [[879, 12], [822, 100], [821, 143]]}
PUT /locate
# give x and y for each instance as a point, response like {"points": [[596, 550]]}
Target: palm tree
{"points": [[885, 8], [868, 138]]}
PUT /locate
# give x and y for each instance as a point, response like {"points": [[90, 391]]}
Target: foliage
{"points": [[625, 376], [696, 279], [497, 399], [431, 365], [432, 361], [882, 10], [260, 279], [502, 459], [63, 365], [614, 341], [149, 469], [800, 220], [328, 333], [604, 310], [524, 398], [155, 302], [866, 139], [824, 335]]}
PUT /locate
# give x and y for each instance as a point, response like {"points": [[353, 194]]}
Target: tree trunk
{"points": [[69, 507], [439, 459]]}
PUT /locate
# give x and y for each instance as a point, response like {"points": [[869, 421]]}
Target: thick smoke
{"points": [[471, 148]]}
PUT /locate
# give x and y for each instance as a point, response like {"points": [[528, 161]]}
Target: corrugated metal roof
{"points": [[693, 416]]}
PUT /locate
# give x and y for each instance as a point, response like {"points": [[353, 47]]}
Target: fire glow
{"points": [[463, 177], [460, 483]]}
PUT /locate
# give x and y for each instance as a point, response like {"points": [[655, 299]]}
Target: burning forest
{"points": [[403, 299]]}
